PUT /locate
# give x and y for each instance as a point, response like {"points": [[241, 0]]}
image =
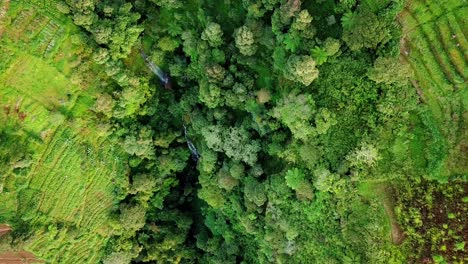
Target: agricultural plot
{"points": [[65, 193], [435, 45]]}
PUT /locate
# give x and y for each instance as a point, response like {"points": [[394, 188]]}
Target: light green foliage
{"points": [[324, 120], [295, 179], [132, 217], [168, 3], [212, 195], [215, 73], [101, 56], [320, 55], [143, 183], [118, 258], [213, 34], [331, 46], [301, 69], [140, 144], [366, 155], [390, 71], [168, 44], [245, 41], [210, 94], [238, 145], [302, 21], [225, 180], [63, 7], [104, 105], [233, 141], [327, 181], [295, 111]]}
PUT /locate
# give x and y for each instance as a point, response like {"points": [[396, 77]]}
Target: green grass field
{"points": [[435, 45], [65, 193]]}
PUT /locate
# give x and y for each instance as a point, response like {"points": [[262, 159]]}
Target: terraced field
{"points": [[435, 45], [65, 192]]}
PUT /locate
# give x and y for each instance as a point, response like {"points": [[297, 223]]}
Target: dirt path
{"points": [[20, 257], [4, 229], [386, 197]]}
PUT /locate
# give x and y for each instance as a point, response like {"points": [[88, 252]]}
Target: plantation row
{"points": [[65, 193], [435, 46]]}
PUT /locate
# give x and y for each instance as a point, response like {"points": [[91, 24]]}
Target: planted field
{"points": [[64, 192], [435, 45]]}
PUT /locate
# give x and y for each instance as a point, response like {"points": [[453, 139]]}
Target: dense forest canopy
{"points": [[267, 131]]}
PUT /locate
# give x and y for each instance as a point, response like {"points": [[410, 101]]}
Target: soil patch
{"points": [[4, 229], [20, 257]]}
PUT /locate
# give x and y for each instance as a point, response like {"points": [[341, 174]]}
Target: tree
{"points": [[132, 217], [296, 111], [389, 70], [143, 183], [245, 42], [239, 146], [104, 105], [302, 20], [101, 56], [301, 69], [366, 155], [168, 44], [331, 46], [365, 30], [102, 32], [295, 179], [324, 120], [118, 258], [319, 54], [254, 191], [213, 34], [62, 7], [141, 144], [210, 94], [215, 73]]}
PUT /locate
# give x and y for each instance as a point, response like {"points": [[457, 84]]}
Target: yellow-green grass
{"points": [[66, 193], [435, 47]]}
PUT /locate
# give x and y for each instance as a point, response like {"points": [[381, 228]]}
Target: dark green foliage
{"points": [[364, 30]]}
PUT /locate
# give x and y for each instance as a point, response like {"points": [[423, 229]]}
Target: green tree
{"points": [[365, 30], [101, 56], [331, 46], [295, 111], [210, 94], [141, 144], [245, 41], [295, 179], [389, 70], [301, 69], [132, 217], [254, 191], [118, 258], [324, 120], [213, 34], [302, 21]]}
